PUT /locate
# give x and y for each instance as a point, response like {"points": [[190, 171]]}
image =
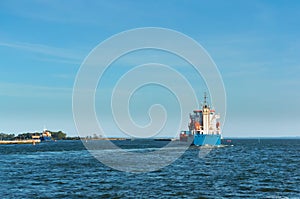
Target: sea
{"points": [[252, 168]]}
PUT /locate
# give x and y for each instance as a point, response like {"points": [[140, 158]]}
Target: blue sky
{"points": [[255, 45]]}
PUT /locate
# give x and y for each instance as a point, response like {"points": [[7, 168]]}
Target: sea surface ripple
{"points": [[265, 168]]}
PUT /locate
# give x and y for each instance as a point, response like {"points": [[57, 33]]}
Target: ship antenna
{"points": [[205, 97]]}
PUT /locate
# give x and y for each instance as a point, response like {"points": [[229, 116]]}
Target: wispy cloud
{"points": [[66, 54], [62, 12], [63, 76], [62, 60], [33, 91]]}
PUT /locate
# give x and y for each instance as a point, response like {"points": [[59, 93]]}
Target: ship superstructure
{"points": [[46, 136], [204, 127]]}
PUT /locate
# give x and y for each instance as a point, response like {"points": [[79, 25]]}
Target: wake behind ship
{"points": [[204, 127]]}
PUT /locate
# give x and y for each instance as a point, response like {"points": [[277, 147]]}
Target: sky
{"points": [[255, 45]]}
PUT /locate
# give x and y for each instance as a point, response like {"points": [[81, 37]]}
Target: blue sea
{"points": [[264, 168]]}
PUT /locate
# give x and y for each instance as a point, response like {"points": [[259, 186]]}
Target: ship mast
{"points": [[205, 97]]}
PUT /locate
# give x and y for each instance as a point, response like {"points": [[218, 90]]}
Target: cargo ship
{"points": [[204, 127]]}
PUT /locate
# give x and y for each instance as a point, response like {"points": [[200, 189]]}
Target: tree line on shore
{"points": [[59, 135]]}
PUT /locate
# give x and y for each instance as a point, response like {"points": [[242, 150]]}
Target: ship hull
{"points": [[202, 140], [46, 139]]}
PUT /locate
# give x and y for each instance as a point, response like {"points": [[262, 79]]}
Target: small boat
{"points": [[45, 136]]}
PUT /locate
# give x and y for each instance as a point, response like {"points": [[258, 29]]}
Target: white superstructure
{"points": [[205, 121]]}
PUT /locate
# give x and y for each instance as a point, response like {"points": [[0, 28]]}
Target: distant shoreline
{"points": [[31, 141], [171, 138]]}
